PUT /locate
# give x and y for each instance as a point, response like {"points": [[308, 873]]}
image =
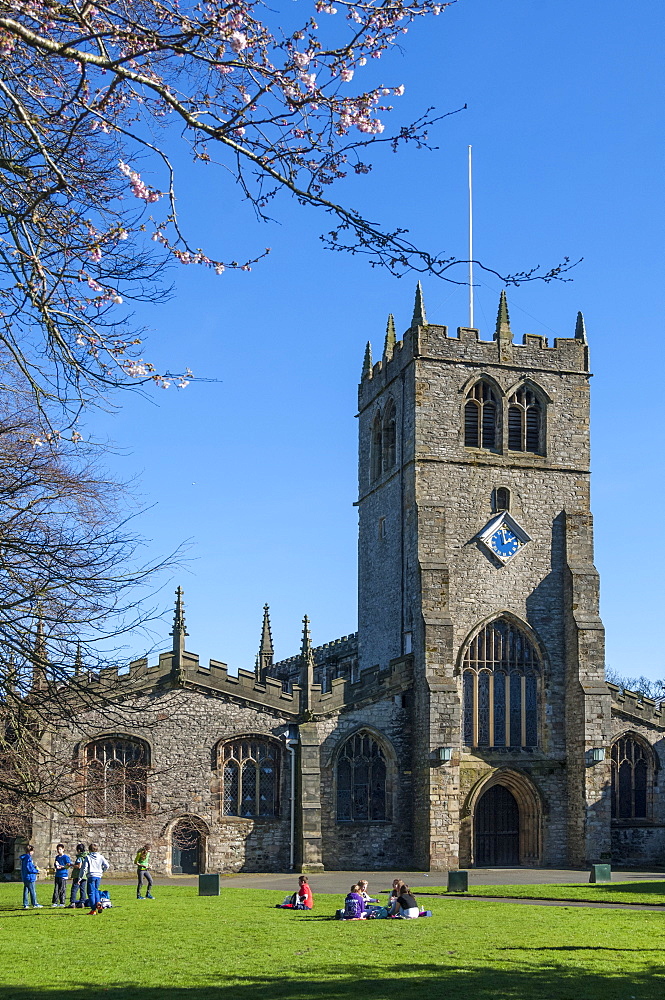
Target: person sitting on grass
{"points": [[300, 900], [354, 904], [377, 910], [363, 886], [404, 905]]}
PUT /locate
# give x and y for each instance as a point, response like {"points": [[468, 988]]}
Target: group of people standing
{"points": [[87, 870]]}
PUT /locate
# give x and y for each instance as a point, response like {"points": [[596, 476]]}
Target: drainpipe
{"points": [[290, 743]]}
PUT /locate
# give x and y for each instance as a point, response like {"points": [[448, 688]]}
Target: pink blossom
{"points": [[347, 75], [399, 90], [238, 41], [301, 59]]}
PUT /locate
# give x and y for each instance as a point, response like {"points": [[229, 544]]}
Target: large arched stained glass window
{"points": [[250, 776], [116, 776], [361, 781], [500, 688], [632, 777]]}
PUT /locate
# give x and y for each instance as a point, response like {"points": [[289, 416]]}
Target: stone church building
{"points": [[467, 722]]}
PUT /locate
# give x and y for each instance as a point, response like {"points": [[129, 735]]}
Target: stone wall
{"points": [[641, 841], [182, 728], [366, 846]]}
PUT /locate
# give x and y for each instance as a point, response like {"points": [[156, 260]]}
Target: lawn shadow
{"points": [[551, 981]]}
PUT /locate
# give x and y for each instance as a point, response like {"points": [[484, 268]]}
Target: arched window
{"points": [[632, 778], [389, 437], [116, 776], [525, 422], [500, 688], [376, 448], [250, 774], [361, 781], [480, 417]]}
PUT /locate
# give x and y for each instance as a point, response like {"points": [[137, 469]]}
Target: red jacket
{"points": [[305, 896]]}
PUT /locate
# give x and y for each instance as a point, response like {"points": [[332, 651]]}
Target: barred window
{"points": [[500, 688], [116, 776], [525, 418], [480, 417], [361, 781], [250, 775], [632, 777]]}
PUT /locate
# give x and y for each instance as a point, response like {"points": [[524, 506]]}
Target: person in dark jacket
{"points": [[29, 873], [79, 885]]}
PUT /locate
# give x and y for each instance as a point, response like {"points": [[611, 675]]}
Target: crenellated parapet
{"points": [[432, 342], [244, 688], [637, 707]]}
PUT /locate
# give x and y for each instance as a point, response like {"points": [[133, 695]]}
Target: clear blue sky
{"points": [[258, 468]]}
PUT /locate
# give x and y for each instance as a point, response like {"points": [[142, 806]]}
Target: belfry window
{"points": [[501, 499], [361, 781], [389, 438], [250, 772], [480, 417], [116, 770], [632, 777], [525, 419], [500, 680], [376, 449]]}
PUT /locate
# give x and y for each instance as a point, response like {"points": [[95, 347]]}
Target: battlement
{"points": [[637, 706], [372, 684], [431, 342]]}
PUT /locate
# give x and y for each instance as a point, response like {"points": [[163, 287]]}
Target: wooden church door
{"points": [[497, 829]]}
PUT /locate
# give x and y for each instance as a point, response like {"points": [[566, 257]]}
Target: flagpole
{"points": [[470, 240]]}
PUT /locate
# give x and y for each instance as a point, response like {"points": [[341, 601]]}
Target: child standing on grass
{"points": [[29, 873], [78, 883], [93, 868], [61, 864], [142, 862]]}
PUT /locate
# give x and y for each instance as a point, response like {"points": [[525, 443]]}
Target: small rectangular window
{"points": [[382, 527]]}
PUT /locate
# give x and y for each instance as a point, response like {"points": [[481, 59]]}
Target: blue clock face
{"points": [[504, 542]]}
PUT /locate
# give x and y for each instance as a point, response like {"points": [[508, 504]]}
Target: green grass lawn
{"points": [[238, 947], [643, 892]]}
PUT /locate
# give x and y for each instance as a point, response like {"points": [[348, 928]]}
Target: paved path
{"points": [[337, 882]]}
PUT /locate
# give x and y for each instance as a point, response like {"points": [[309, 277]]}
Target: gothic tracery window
{"points": [[361, 780], [480, 417], [632, 776], [525, 419], [250, 775], [500, 688], [116, 776]]}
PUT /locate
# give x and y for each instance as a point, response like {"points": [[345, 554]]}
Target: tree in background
{"points": [[641, 685], [96, 97]]}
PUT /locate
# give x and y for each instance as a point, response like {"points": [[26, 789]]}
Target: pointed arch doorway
{"points": [[187, 847], [497, 829], [502, 822]]}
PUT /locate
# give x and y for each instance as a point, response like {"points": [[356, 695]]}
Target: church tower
{"points": [[476, 557]]}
